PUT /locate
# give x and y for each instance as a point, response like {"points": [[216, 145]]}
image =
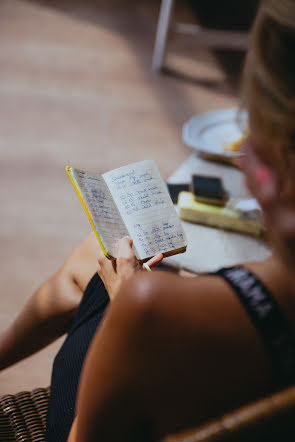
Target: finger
{"points": [[155, 260], [125, 255], [124, 249], [105, 265], [124, 246], [101, 258]]}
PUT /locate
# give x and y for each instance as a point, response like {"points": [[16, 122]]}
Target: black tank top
{"points": [[268, 319], [261, 306], [69, 360]]}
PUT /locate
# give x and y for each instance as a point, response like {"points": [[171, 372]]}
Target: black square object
{"points": [[174, 190], [207, 187]]}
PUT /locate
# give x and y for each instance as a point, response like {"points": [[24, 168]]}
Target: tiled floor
{"points": [[76, 87]]}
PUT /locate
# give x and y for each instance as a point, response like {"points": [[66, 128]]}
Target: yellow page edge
{"points": [[79, 193]]}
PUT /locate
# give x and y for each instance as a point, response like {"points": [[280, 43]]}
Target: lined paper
{"points": [[146, 208], [104, 213]]}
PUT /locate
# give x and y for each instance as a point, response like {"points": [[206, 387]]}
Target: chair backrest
{"points": [[271, 419], [23, 418]]}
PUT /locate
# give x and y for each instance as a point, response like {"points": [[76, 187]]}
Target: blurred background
{"points": [[76, 87]]}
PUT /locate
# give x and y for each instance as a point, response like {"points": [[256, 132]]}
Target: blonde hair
{"points": [[268, 92]]}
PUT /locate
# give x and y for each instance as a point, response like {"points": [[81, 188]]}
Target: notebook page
{"points": [[104, 213], [143, 200]]}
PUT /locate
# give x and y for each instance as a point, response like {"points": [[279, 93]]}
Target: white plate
{"points": [[210, 132]]}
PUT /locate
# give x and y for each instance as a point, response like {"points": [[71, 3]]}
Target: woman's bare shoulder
{"points": [[204, 303], [199, 327]]}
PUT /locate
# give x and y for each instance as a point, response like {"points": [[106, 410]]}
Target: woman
{"points": [[199, 347], [173, 352]]}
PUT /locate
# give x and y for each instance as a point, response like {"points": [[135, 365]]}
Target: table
{"points": [[209, 248]]}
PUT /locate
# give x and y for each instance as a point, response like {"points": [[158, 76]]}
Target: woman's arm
{"points": [[49, 311], [172, 352]]}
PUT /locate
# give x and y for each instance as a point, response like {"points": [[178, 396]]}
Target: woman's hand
{"points": [[115, 272], [278, 209]]}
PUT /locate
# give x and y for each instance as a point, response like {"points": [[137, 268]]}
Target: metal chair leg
{"points": [[162, 34]]}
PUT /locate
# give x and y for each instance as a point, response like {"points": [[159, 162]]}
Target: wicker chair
{"points": [[23, 418]]}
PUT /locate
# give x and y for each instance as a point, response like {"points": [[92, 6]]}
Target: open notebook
{"points": [[132, 201]]}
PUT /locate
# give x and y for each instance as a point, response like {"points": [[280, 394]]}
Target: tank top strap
{"points": [[268, 319]]}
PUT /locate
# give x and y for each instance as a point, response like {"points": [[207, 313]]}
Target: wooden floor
{"points": [[76, 87]]}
